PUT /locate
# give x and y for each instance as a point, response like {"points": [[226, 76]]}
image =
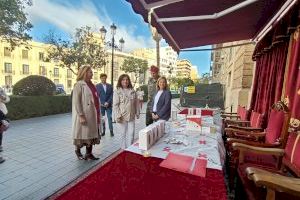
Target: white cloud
{"points": [[68, 17]]}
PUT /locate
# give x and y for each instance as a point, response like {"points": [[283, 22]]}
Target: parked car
{"points": [[60, 89]]}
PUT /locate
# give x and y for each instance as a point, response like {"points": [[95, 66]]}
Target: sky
{"points": [[64, 16]]}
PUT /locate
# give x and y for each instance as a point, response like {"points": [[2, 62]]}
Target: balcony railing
{"points": [[25, 73], [8, 72], [43, 73]]}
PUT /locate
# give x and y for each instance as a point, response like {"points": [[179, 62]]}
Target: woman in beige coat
{"points": [[4, 98], [85, 114], [125, 109]]}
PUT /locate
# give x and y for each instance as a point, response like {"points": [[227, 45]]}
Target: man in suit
{"points": [[105, 92]]}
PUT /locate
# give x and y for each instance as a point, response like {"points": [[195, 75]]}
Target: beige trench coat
{"points": [[83, 104], [125, 105], [4, 98]]}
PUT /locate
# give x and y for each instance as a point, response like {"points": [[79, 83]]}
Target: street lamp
{"points": [[113, 29]]}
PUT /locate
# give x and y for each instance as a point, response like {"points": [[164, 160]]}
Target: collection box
{"points": [[151, 134], [190, 111], [145, 140], [198, 111]]}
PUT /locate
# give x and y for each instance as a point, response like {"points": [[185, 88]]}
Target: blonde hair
{"points": [[81, 75], [159, 79]]}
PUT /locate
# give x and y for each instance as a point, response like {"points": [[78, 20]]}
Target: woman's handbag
{"points": [[4, 125]]}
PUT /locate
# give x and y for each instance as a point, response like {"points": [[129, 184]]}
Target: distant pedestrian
{"points": [[105, 92], [85, 114], [125, 109], [4, 98], [161, 107], [140, 95], [151, 92]]}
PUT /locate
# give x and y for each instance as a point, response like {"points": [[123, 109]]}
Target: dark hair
{"points": [[102, 75], [119, 85]]}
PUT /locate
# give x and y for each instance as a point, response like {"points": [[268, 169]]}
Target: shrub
{"points": [[22, 107], [175, 96], [34, 86]]}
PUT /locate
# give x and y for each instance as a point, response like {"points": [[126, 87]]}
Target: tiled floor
{"points": [[40, 156]]}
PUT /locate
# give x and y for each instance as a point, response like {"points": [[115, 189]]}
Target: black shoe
{"points": [[112, 134], [90, 156], [78, 154], [2, 160], [103, 133]]}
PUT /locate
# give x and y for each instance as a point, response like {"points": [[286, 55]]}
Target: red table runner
{"points": [[130, 176]]}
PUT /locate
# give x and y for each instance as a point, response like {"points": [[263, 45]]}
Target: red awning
{"points": [[240, 24]]}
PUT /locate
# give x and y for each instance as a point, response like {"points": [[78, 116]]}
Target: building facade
{"points": [[31, 60], [183, 68], [168, 58], [216, 64], [234, 68], [194, 73]]}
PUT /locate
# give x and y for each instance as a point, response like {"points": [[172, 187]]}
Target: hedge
{"points": [[175, 96], [22, 107], [34, 85]]}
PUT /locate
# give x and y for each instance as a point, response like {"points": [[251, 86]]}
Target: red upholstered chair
{"points": [[274, 136], [241, 114], [254, 124], [258, 182], [279, 116]]}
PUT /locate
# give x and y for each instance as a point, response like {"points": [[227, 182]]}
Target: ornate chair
{"points": [[279, 116], [240, 127], [232, 118], [258, 182], [274, 136]]}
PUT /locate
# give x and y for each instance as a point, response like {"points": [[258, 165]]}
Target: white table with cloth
{"points": [[178, 139]]}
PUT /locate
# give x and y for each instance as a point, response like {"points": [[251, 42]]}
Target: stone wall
{"points": [[236, 74]]}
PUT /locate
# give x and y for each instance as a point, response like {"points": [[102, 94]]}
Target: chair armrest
{"points": [[244, 134], [240, 123], [274, 181], [228, 113], [230, 116], [259, 150], [230, 141], [246, 128]]}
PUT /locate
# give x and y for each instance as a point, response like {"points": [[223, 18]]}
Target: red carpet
{"points": [[131, 176]]}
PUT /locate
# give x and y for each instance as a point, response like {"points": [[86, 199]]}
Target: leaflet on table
{"points": [[185, 164], [193, 122]]}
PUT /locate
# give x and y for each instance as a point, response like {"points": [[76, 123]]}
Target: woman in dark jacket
{"points": [[161, 108]]}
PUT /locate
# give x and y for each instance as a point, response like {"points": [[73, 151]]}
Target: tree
{"points": [[85, 48], [14, 26], [179, 82], [136, 66], [205, 78]]}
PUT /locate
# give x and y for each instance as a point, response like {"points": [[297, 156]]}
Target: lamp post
{"points": [[113, 29]]}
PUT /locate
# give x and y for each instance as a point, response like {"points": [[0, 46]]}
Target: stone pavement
{"points": [[40, 157]]}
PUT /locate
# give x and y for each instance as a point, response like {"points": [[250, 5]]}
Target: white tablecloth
{"points": [[195, 143]]}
